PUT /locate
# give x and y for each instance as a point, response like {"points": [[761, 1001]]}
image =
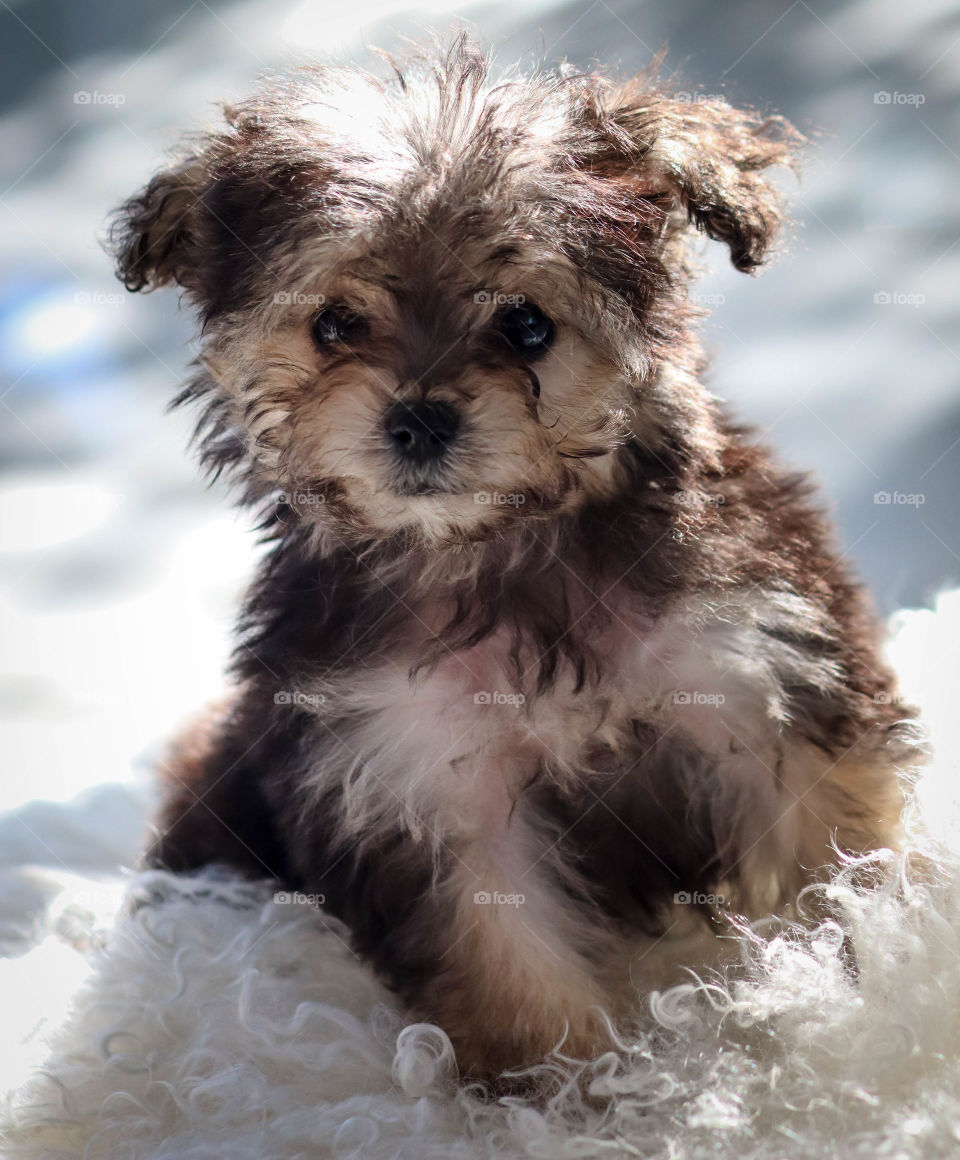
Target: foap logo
{"points": [[97, 298], [888, 698], [708, 299], [685, 98], [86, 97], [898, 298], [698, 898], [695, 697], [899, 498], [699, 499], [884, 97], [295, 298], [500, 498], [295, 697], [295, 898], [495, 298], [497, 898], [498, 698], [299, 499]]}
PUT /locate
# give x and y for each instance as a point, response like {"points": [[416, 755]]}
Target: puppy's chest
{"points": [[464, 736], [484, 710]]}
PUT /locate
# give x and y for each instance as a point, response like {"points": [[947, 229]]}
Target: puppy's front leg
{"points": [[513, 980], [477, 942]]}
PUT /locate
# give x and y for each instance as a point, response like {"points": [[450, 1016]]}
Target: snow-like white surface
{"points": [[90, 685]]}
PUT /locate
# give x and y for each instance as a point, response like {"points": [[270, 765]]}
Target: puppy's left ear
{"points": [[705, 158]]}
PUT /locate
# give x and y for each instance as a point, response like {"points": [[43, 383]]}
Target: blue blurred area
{"points": [[846, 353]]}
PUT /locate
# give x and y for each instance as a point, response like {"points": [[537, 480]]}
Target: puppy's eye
{"points": [[336, 324], [528, 330]]}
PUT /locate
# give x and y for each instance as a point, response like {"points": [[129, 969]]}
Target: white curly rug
{"points": [[202, 1019]]}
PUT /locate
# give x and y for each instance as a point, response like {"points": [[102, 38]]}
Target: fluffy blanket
{"points": [[152, 1017]]}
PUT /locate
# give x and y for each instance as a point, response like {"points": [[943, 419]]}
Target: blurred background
{"points": [[119, 570]]}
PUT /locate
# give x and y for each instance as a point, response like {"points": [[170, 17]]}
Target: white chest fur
{"points": [[447, 751]]}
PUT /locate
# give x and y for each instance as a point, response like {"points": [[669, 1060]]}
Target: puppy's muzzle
{"points": [[421, 433]]}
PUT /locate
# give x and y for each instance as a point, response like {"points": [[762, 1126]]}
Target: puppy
{"points": [[549, 671]]}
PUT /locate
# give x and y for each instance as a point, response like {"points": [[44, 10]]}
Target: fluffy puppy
{"points": [[549, 669]]}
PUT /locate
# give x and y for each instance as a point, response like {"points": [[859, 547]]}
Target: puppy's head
{"points": [[436, 304]]}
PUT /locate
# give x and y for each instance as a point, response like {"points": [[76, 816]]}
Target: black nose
{"points": [[421, 431]]}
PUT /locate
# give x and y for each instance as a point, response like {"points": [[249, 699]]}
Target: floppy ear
{"points": [[152, 234], [704, 158]]}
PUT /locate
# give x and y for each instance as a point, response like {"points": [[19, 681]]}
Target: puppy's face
{"points": [[423, 382], [439, 305]]}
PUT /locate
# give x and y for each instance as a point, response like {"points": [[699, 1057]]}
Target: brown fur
{"points": [[691, 695]]}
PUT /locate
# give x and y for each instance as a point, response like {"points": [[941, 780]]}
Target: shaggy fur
{"points": [[538, 710]]}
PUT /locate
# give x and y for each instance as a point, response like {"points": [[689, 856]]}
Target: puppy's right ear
{"points": [[152, 235], [704, 159]]}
